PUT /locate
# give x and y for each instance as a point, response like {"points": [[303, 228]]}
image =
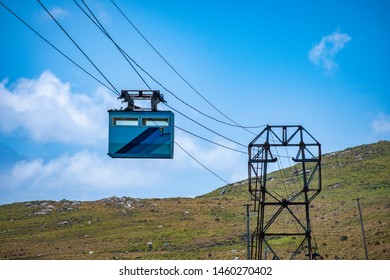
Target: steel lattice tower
{"points": [[282, 205]]}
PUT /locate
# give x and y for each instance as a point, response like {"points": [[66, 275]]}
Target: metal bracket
{"points": [[129, 96]]}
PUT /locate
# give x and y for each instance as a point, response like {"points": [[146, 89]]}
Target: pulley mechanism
{"points": [[129, 96]]}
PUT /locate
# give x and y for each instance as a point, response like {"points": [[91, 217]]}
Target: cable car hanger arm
{"points": [[129, 96]]}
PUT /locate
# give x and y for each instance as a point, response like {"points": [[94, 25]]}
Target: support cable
{"points": [[74, 42], [209, 129], [226, 147], [100, 26], [95, 78], [114, 90], [131, 61], [104, 31], [281, 168], [287, 188], [205, 167], [57, 49], [187, 104], [170, 65]]}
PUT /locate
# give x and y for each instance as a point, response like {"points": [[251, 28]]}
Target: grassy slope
{"points": [[207, 227]]}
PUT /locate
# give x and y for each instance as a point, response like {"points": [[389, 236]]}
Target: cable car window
{"points": [[125, 121], [155, 121]]}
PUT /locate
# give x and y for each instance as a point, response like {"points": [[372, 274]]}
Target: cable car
{"points": [[137, 133]]}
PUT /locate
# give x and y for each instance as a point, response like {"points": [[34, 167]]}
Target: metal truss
{"points": [[282, 203]]}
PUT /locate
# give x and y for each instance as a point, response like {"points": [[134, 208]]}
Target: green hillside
{"points": [[207, 227]]}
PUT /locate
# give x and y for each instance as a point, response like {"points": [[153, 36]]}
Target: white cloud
{"points": [[88, 175], [48, 111], [102, 15], [82, 173], [381, 124], [324, 52], [58, 12]]}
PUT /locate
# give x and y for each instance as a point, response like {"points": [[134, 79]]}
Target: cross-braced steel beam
{"points": [[282, 204]]}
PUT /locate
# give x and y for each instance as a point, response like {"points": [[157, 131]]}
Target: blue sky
{"points": [[320, 64]]}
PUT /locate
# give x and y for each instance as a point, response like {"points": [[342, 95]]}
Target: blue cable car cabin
{"points": [[140, 134]]}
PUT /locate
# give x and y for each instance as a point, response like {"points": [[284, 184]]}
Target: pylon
{"points": [[281, 232]]}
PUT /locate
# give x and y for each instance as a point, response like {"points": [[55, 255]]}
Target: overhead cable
{"points": [[209, 129], [113, 88], [101, 28], [131, 61], [57, 49], [74, 42], [226, 147], [96, 79], [181, 76], [205, 167], [96, 21]]}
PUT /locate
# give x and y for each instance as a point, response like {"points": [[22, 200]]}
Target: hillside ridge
{"points": [[210, 226]]}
